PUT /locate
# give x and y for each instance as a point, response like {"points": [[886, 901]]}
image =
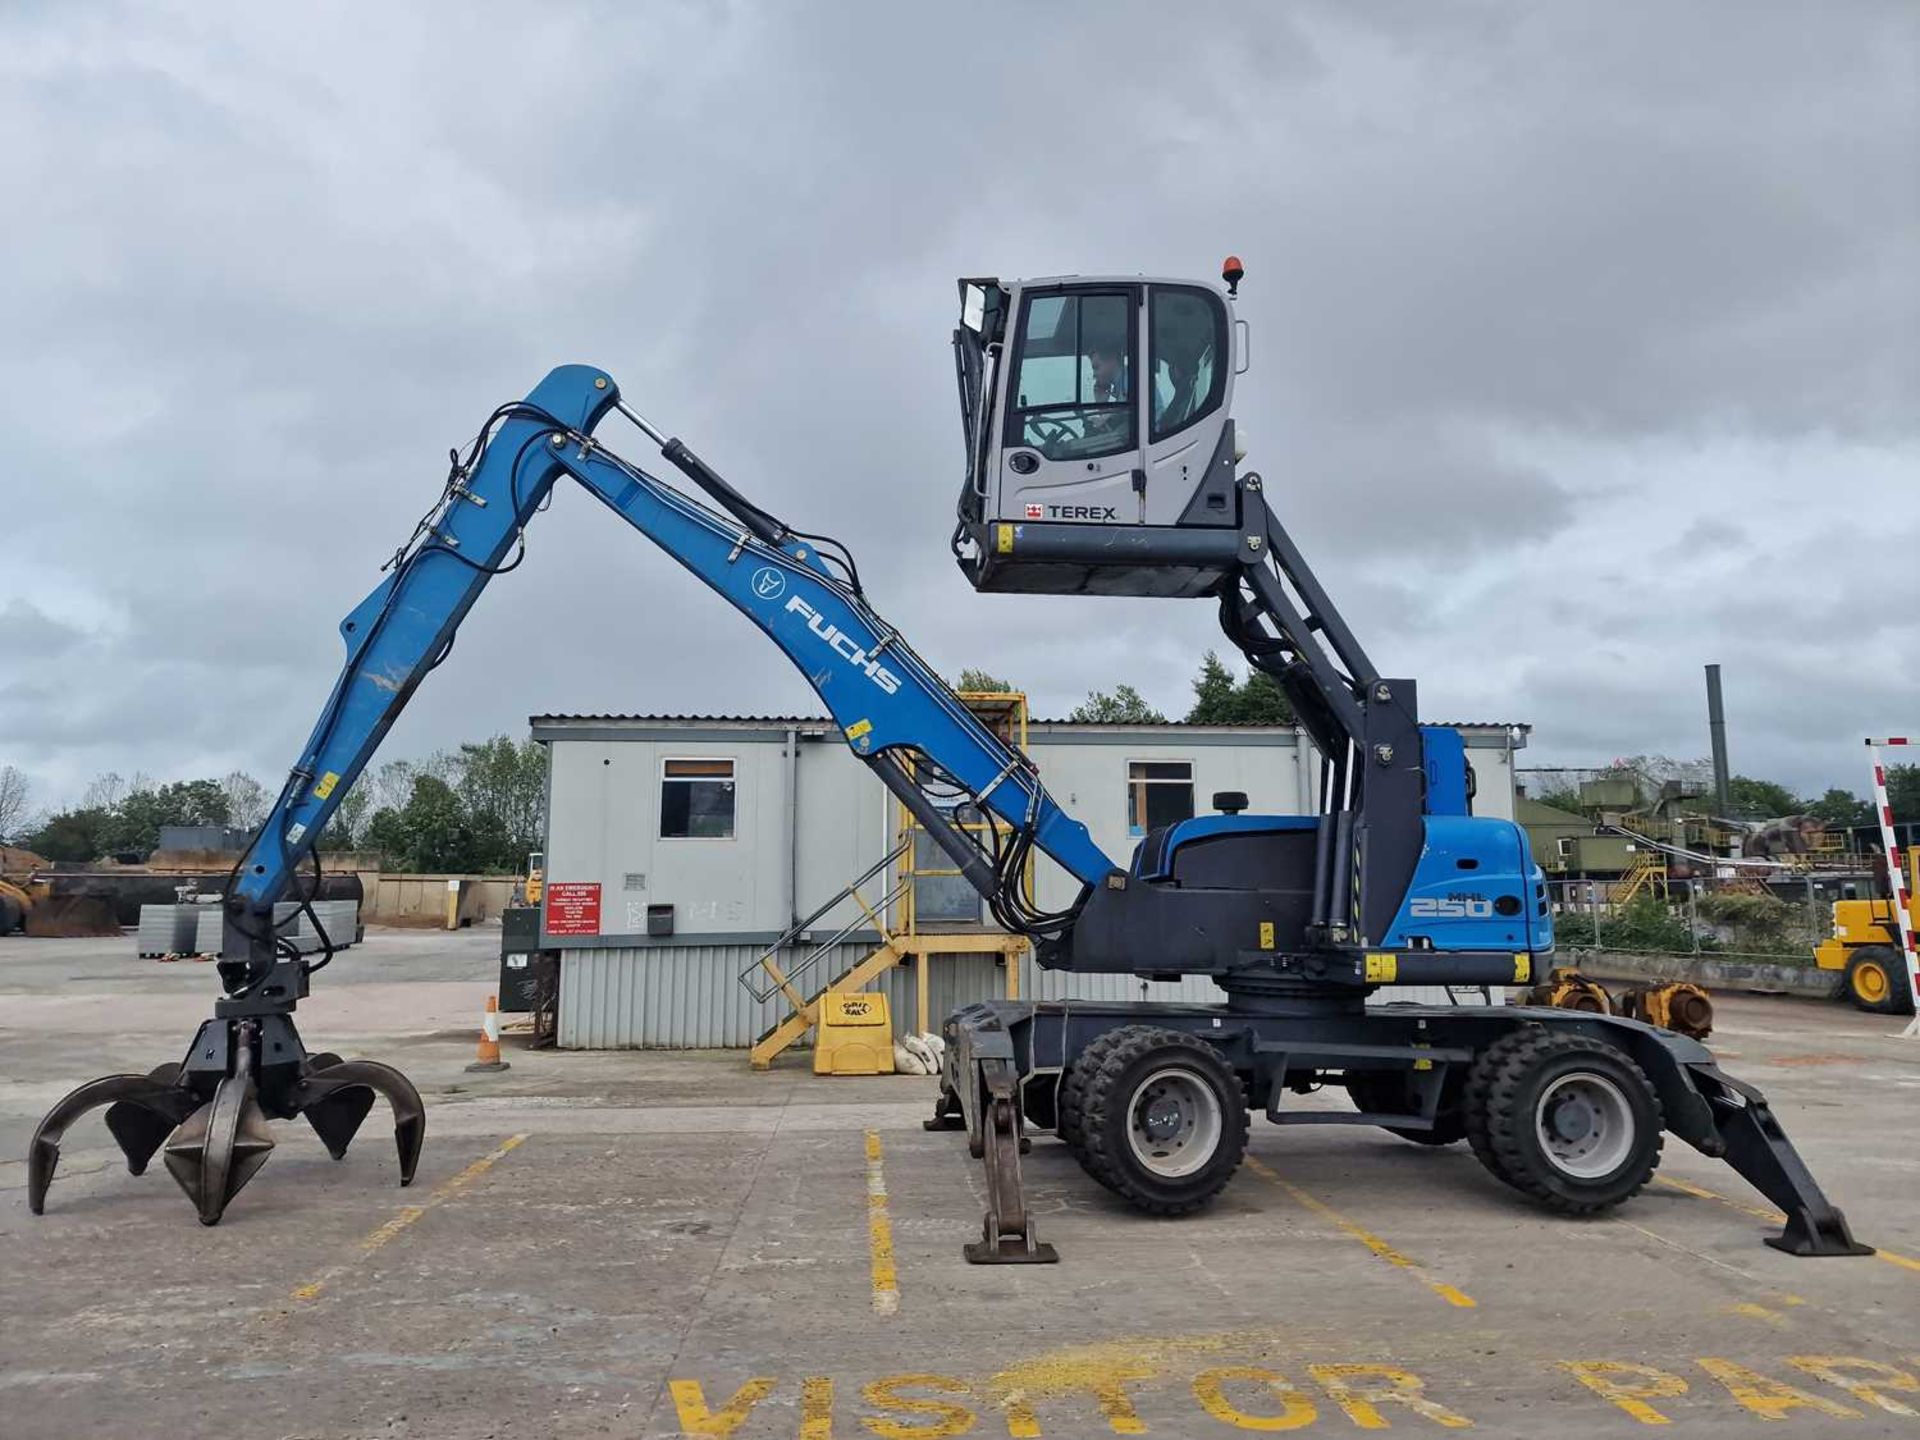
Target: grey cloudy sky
{"points": [[1586, 342]]}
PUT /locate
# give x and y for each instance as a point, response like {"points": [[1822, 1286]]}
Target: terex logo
{"points": [[1080, 512], [843, 645]]}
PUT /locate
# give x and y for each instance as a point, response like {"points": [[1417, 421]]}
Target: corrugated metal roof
{"points": [[826, 720]]}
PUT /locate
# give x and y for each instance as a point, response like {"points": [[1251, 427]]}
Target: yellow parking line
{"points": [[1373, 1242], [442, 1193], [1762, 1212], [886, 1280]]}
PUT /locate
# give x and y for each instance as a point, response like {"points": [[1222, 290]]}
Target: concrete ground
{"points": [[666, 1244]]}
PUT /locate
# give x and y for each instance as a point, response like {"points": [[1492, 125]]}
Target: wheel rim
{"points": [[1869, 981], [1174, 1122], [1585, 1125]]}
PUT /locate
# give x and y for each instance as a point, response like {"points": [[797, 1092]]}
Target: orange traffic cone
{"points": [[487, 1056]]}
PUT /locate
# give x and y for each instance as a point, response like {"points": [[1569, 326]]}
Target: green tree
{"points": [[1903, 792], [349, 820], [439, 833], [1219, 699], [387, 833], [182, 802], [1761, 799], [1213, 690], [73, 835], [1122, 705], [1261, 701], [971, 679], [1842, 807], [503, 786]]}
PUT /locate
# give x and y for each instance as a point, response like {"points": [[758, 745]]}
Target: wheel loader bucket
{"points": [[71, 917]]}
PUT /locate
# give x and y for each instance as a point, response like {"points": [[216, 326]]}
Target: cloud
{"points": [[1584, 342]]}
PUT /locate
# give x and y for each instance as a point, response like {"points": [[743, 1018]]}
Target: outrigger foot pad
{"points": [[1810, 1233], [994, 1248], [946, 1113], [1749, 1136], [209, 1125]]}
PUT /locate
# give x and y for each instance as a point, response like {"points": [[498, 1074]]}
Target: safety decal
{"points": [[1003, 539], [859, 728], [573, 908], [1382, 969], [323, 787]]}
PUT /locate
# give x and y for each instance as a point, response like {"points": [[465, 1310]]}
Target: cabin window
{"points": [[1073, 389], [696, 800], [1159, 792]]}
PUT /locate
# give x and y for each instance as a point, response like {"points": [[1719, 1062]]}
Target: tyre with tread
{"points": [[1387, 1092], [1569, 1121], [1070, 1105], [1163, 1122], [1876, 981]]}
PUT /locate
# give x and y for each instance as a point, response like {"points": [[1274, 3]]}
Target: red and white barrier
{"points": [[1896, 873]]}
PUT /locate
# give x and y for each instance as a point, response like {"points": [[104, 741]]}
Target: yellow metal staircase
{"points": [[909, 861], [1648, 876], [766, 978]]}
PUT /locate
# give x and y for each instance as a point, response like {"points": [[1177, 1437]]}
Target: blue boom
{"points": [[884, 697]]}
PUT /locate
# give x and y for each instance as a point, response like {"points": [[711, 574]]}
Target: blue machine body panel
{"points": [[1449, 781], [1153, 856], [1476, 888]]}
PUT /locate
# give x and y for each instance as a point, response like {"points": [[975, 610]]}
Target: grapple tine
{"points": [[353, 1083], [129, 1095], [220, 1147], [337, 1116]]}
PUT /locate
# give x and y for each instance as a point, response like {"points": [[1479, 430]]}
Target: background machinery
{"points": [[1100, 459], [1864, 948]]}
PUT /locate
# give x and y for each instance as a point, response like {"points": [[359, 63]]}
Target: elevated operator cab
{"points": [[1099, 429]]}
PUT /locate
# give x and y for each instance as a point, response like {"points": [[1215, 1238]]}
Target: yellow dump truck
{"points": [[1865, 945]]}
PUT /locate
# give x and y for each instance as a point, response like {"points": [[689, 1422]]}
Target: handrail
{"points": [[783, 979]]}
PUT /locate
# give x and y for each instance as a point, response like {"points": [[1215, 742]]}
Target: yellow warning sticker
{"points": [[1266, 934], [323, 787], [859, 728], [1003, 539], [1382, 969], [1523, 969]]}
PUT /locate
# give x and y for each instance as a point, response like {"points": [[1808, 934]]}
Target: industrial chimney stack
{"points": [[1717, 728]]}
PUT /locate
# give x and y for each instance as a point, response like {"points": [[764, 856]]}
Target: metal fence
{"points": [[1778, 921]]}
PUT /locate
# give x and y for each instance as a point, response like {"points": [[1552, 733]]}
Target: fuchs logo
{"points": [[845, 647], [1077, 512], [768, 583]]}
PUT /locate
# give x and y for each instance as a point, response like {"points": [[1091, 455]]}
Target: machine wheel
{"points": [[12, 917], [1164, 1122], [1070, 1104], [1568, 1121], [1877, 981], [1386, 1092]]}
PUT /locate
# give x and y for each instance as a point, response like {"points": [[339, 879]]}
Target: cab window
{"points": [[1189, 343], [1073, 390]]}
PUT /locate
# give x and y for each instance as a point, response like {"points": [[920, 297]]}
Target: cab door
{"points": [[1187, 386], [1071, 428]]}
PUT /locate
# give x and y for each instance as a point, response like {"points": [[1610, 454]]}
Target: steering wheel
{"points": [[1047, 431]]}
